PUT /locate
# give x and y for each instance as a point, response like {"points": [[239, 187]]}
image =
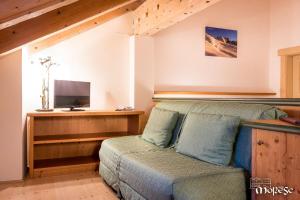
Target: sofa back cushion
{"points": [[182, 107], [243, 110], [242, 153], [159, 127], [208, 137]]}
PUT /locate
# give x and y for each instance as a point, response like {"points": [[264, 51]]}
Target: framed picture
{"points": [[220, 42]]}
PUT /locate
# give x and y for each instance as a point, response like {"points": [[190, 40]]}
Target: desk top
{"points": [[59, 113]]}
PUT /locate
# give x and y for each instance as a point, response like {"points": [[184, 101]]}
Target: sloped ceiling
{"points": [[155, 15], [42, 23], [24, 21]]}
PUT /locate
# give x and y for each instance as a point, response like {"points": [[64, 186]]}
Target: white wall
{"points": [[284, 33], [180, 54], [99, 56], [144, 72], [172, 58], [11, 135]]}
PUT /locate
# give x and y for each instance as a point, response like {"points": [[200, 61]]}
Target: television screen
{"points": [[69, 94]]}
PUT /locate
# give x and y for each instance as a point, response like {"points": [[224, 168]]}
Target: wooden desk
{"points": [[63, 142]]}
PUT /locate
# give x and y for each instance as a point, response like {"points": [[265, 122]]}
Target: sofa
{"points": [[138, 169]]}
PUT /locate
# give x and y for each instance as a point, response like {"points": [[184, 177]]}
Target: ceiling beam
{"points": [[53, 21], [81, 27], [15, 11], [155, 15]]}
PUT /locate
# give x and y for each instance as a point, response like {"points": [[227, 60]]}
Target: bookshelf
{"points": [[65, 142]]}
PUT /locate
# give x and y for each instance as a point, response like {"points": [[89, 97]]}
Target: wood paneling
{"points": [[290, 72], [155, 15], [53, 21], [80, 125], [293, 165], [275, 155], [84, 26], [30, 137], [270, 144], [296, 76], [286, 74]]}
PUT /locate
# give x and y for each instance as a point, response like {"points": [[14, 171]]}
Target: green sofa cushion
{"points": [[208, 137], [160, 126]]}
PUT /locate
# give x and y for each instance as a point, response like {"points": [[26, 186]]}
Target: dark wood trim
{"points": [[272, 126], [268, 101], [214, 93]]}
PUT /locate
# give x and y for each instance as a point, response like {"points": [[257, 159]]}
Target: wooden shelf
{"points": [[214, 93], [59, 113], [66, 162], [66, 142], [67, 165], [67, 138]]}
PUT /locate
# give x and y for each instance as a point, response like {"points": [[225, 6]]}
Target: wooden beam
{"points": [[155, 15], [53, 21], [15, 11], [84, 26]]}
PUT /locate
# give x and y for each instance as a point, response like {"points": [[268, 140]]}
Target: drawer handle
{"points": [[260, 142]]}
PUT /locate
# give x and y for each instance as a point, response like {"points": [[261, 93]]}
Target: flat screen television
{"points": [[71, 94]]}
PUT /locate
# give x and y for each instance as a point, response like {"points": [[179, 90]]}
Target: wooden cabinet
{"points": [[63, 142], [276, 155]]}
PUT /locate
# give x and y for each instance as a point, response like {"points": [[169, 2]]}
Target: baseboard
{"points": [[11, 182]]}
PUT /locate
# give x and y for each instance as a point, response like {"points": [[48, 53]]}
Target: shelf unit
{"points": [[50, 139], [65, 142]]}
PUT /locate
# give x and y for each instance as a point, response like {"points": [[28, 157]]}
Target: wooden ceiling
{"points": [[155, 15], [85, 25], [53, 21], [42, 23], [16, 11]]}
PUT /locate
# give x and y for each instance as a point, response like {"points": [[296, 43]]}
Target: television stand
{"points": [[68, 142]]}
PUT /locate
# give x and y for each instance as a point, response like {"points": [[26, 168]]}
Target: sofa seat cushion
{"points": [[128, 193], [220, 186], [110, 177], [112, 150], [153, 174]]}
